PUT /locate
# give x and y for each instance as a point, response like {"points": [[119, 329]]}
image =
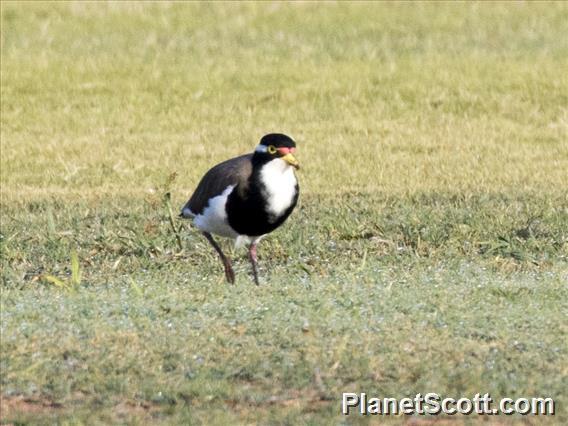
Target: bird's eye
{"points": [[272, 149]]}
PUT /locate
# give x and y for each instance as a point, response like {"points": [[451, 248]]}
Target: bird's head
{"points": [[278, 145]]}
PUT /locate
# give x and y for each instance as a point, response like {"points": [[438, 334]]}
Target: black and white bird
{"points": [[247, 197]]}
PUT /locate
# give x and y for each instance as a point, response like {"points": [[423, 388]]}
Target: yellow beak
{"points": [[290, 159]]}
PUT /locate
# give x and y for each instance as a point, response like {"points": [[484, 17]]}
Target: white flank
{"points": [[214, 217], [245, 240], [280, 185]]}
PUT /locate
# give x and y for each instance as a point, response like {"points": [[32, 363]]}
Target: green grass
{"points": [[429, 252]]}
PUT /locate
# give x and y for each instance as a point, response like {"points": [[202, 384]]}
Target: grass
{"points": [[428, 253]]}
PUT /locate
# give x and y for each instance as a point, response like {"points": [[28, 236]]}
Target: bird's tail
{"points": [[186, 212]]}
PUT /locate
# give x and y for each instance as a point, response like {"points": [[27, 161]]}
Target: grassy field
{"points": [[429, 252]]}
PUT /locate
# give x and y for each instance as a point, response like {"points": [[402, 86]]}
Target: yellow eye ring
{"points": [[272, 149]]}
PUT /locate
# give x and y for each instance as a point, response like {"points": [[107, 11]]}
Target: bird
{"points": [[247, 197]]}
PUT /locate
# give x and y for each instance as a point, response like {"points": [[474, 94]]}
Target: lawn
{"points": [[428, 253]]}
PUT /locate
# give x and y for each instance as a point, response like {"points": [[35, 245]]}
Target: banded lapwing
{"points": [[246, 197]]}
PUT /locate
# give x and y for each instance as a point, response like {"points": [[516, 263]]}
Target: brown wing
{"points": [[231, 172]]}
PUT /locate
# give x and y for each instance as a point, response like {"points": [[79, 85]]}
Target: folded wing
{"points": [[235, 172]]}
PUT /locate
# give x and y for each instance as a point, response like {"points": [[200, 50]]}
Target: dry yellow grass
{"points": [[110, 100]]}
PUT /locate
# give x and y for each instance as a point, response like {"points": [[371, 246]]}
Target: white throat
{"points": [[279, 182]]}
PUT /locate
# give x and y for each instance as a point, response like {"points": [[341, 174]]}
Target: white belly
{"points": [[279, 183], [214, 218]]}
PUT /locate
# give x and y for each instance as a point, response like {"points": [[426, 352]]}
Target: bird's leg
{"points": [[254, 261], [229, 274]]}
